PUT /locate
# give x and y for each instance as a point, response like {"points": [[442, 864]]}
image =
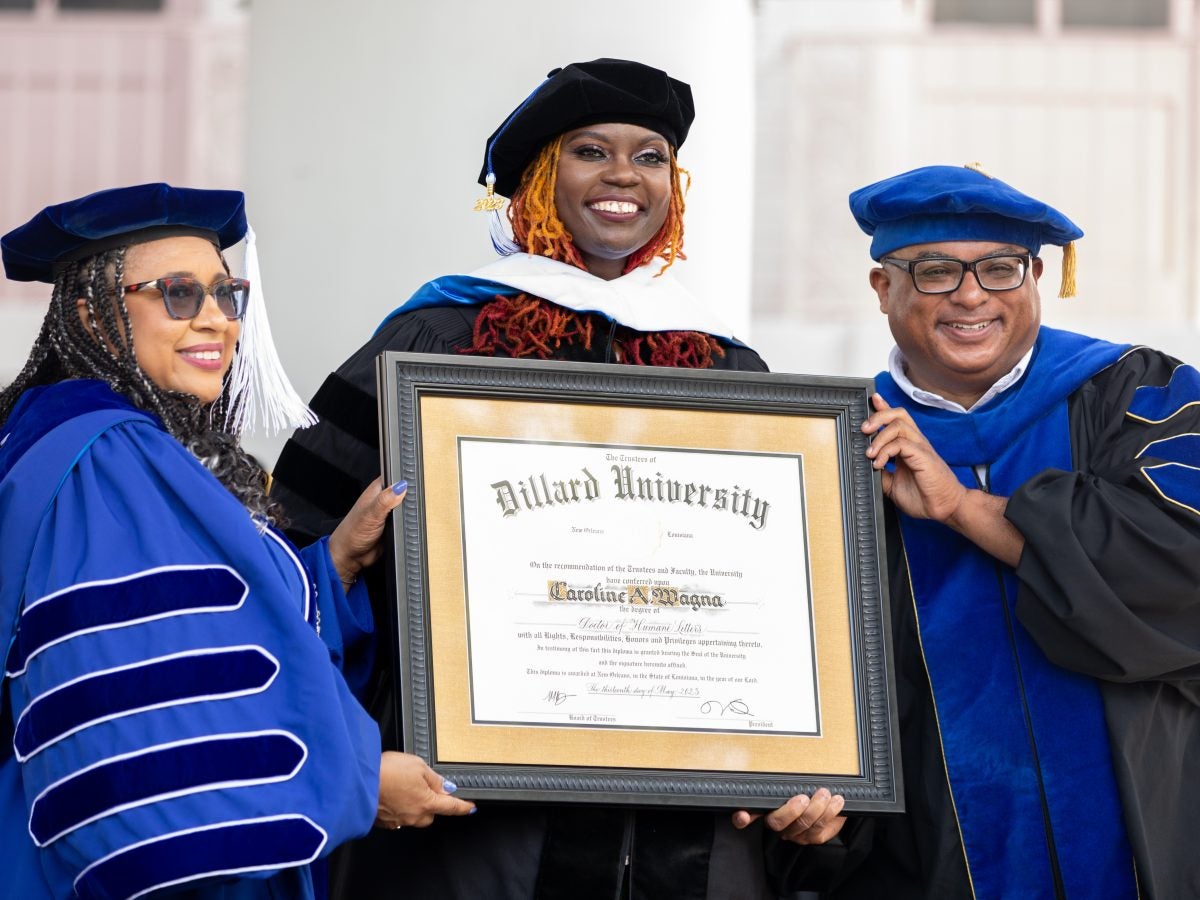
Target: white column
{"points": [[366, 133]]}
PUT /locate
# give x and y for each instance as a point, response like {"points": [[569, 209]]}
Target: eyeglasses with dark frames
{"points": [[183, 297], [944, 274]]}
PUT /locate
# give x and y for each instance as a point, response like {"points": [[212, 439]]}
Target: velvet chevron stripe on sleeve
{"points": [[157, 773], [227, 848], [137, 598], [207, 674]]}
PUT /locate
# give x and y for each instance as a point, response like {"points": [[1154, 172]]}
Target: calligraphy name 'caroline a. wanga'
{"points": [[540, 492]]}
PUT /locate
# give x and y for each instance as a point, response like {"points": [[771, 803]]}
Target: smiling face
{"points": [[959, 344], [188, 355], [612, 192]]}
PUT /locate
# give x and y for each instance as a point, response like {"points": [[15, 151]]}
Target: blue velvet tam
{"points": [[586, 93], [955, 203], [119, 217]]}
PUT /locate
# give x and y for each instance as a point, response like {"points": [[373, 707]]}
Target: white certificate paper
{"points": [[637, 587]]}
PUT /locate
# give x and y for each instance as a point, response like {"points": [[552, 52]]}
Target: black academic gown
{"points": [[506, 852], [1109, 587]]}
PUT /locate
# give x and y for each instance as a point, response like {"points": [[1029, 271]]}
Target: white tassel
{"points": [[503, 244], [258, 386]]}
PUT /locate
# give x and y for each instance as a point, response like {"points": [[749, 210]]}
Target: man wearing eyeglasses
{"points": [[1044, 555]]}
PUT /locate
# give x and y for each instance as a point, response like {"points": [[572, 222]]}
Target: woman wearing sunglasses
{"points": [[596, 214], [173, 711]]}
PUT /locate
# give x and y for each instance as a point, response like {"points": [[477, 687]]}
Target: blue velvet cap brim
{"points": [[891, 236], [105, 219], [953, 203]]}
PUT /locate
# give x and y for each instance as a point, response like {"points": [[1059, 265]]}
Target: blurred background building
{"points": [[1090, 105], [357, 129]]}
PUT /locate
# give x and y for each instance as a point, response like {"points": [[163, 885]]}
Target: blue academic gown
{"points": [[169, 716], [1049, 713]]}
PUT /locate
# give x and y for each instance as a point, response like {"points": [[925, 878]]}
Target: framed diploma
{"points": [[630, 585]]}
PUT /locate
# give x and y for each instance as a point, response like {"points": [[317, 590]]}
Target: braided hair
{"points": [[95, 340], [524, 326]]}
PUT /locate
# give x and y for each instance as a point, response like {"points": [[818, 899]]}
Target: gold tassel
{"points": [[1067, 289], [490, 202]]}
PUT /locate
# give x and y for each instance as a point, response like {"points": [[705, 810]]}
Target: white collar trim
{"points": [[640, 299]]}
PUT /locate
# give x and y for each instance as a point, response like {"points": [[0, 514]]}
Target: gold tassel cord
{"points": [[490, 201], [1067, 288]]}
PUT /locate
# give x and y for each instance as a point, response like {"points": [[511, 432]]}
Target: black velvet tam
{"points": [[586, 93], [116, 217]]}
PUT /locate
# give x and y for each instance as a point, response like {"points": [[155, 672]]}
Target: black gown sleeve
{"points": [[1111, 587], [322, 469], [1110, 573], [741, 359]]}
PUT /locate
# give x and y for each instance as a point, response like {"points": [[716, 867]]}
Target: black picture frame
{"points": [[420, 398]]}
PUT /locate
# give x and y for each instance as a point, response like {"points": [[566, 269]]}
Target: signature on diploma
{"points": [[557, 698], [737, 707]]}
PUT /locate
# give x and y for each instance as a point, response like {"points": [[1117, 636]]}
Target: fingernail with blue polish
{"points": [[449, 786], [400, 487], [473, 810]]}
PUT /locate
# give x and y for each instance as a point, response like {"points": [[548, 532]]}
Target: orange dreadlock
{"points": [[535, 223], [529, 326], [679, 349]]}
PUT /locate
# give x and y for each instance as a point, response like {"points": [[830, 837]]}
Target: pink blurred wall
{"points": [[90, 100]]}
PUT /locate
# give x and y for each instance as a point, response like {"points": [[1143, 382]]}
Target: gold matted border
{"points": [[444, 418]]}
